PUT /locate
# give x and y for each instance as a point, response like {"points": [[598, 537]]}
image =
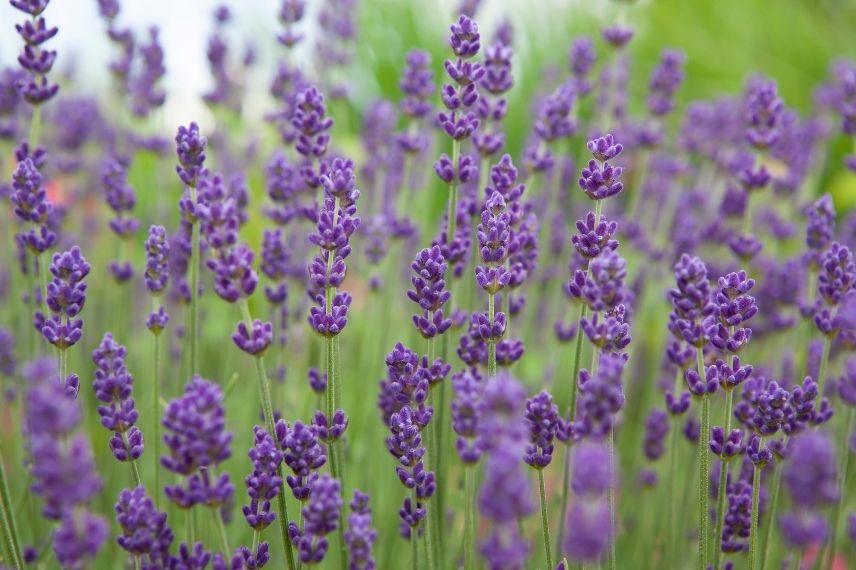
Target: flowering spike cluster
{"points": [[290, 14], [492, 107], [763, 109], [263, 483], [429, 292], [581, 60], [303, 454], [417, 86], [542, 420], [34, 59], [145, 532], [275, 265], [190, 148], [690, 301], [143, 89], [665, 80], [360, 535], [62, 467], [30, 204], [461, 121], [197, 441], [820, 228], [601, 397], [121, 199], [113, 386], [320, 518], [588, 522], [312, 125], [835, 284], [405, 444], [66, 295], [732, 306], [505, 495], [600, 180], [467, 408]]}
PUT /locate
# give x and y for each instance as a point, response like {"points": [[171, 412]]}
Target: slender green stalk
{"points": [[610, 500], [193, 326], [35, 126], [774, 502], [674, 439], [137, 563], [545, 524], [434, 452], [452, 211], [723, 482], [753, 530], [7, 520], [267, 411], [824, 363], [572, 410], [469, 517], [845, 464], [703, 471], [155, 412], [221, 529], [135, 471], [491, 345]]}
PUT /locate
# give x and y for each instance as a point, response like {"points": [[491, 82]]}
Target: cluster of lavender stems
{"points": [[770, 479]]}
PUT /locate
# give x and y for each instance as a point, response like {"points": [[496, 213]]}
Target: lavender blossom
{"points": [[113, 386], [360, 535]]}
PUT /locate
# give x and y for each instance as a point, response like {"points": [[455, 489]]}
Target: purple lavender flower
{"points": [[275, 265], [113, 386], [837, 275], [496, 81], [665, 81], [581, 58], [31, 205], [542, 420], [738, 517], [145, 531], [197, 440], [145, 94], [690, 301], [820, 227], [467, 408], [255, 339], [732, 306], [303, 454], [762, 110], [263, 483], [190, 148], [460, 120], [600, 180], [601, 397], [617, 36], [157, 255], [34, 59], [312, 125], [66, 295], [360, 535], [417, 84], [589, 527], [810, 475], [290, 14], [429, 292], [321, 517]]}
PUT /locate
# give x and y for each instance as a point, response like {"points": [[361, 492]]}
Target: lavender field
{"points": [[374, 284]]}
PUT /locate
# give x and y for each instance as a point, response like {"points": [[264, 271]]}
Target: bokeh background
{"points": [[726, 41]]}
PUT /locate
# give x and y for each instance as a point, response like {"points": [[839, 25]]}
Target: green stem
{"points": [[572, 410], [7, 520], [137, 564], [610, 500], [221, 528], [35, 127], [774, 501], [674, 439], [469, 517], [491, 345], [753, 530], [703, 470], [845, 464], [267, 410], [155, 414], [821, 375], [545, 524], [452, 211], [723, 482], [193, 327]]}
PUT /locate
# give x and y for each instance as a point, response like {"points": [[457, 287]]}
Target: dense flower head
{"points": [[417, 84], [665, 81], [29, 198], [157, 256], [330, 323], [542, 420], [656, 429], [690, 300], [263, 483], [253, 339], [321, 517], [837, 274], [617, 35], [588, 521], [460, 121], [494, 237], [430, 292], [601, 397], [329, 430], [217, 212], [145, 531], [801, 530], [600, 179], [66, 295], [810, 474], [234, 276], [594, 236], [405, 444], [731, 307], [737, 520], [601, 288], [302, 453], [113, 387], [190, 148], [762, 111], [581, 59], [820, 227], [360, 536], [555, 117], [311, 122], [275, 264], [34, 59], [196, 434], [467, 408], [726, 446]]}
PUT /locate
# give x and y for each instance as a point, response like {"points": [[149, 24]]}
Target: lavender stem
{"points": [[491, 346], [774, 501], [7, 519], [845, 464], [193, 327], [469, 517], [703, 470], [155, 414], [753, 529], [545, 524], [723, 481]]}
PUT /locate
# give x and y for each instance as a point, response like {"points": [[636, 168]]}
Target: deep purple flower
{"points": [[656, 429], [594, 236], [330, 323], [810, 473], [600, 180], [723, 446], [429, 292], [113, 386], [588, 523], [690, 301], [360, 536], [302, 453], [234, 276], [33, 58], [837, 274], [157, 254], [581, 58], [762, 112], [263, 483], [145, 531], [542, 420], [417, 84], [253, 340], [321, 517], [466, 411], [820, 227], [738, 517], [311, 122], [665, 81], [460, 120], [555, 119], [66, 295], [602, 286], [601, 396], [617, 36], [190, 148]]}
